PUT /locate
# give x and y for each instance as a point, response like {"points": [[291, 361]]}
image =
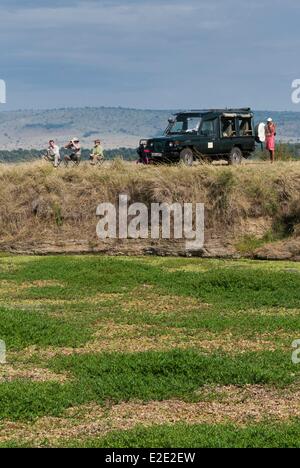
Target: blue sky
{"points": [[161, 54]]}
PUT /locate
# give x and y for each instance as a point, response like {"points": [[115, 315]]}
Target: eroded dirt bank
{"points": [[249, 210]]}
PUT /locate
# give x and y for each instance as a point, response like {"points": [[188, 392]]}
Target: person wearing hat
{"points": [[97, 154], [270, 138], [75, 148]]}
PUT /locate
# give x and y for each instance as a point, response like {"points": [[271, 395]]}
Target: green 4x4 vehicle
{"points": [[207, 135]]}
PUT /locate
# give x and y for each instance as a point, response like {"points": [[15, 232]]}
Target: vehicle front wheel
{"points": [[235, 157], [187, 156]]}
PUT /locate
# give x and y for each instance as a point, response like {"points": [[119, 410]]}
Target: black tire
{"points": [[235, 157], [187, 156]]}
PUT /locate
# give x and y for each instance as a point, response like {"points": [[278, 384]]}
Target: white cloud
{"points": [[85, 14]]}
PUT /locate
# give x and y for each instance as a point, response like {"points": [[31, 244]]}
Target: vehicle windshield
{"points": [[184, 125]]}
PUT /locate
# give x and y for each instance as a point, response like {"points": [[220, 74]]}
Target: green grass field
{"points": [[148, 352]]}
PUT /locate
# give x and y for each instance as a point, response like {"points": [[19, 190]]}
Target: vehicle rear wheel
{"points": [[235, 157], [187, 156]]}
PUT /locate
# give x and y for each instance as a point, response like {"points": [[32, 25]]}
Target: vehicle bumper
{"points": [[156, 157]]}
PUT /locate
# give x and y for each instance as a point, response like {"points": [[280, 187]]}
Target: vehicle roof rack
{"points": [[225, 109]]}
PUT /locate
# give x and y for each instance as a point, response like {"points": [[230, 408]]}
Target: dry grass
{"points": [[218, 405], [143, 300], [9, 373], [11, 286], [113, 337]]}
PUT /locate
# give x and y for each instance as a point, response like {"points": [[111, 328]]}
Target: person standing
{"points": [[270, 138]]}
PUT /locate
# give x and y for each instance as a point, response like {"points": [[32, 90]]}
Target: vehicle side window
{"points": [[245, 125], [228, 126], [208, 128], [193, 124]]}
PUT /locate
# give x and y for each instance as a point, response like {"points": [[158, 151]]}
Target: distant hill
{"points": [[118, 127]]}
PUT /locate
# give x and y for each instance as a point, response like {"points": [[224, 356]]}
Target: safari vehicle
{"points": [[205, 135]]}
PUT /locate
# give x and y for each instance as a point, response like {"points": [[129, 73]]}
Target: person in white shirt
{"points": [[53, 153]]}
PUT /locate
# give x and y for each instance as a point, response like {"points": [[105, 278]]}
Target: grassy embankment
{"points": [[247, 207]]}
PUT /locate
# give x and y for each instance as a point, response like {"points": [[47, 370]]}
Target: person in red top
{"points": [[270, 139]]}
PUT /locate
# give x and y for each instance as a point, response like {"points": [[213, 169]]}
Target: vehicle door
{"points": [[208, 137], [191, 128]]}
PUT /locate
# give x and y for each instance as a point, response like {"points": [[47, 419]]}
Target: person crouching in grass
{"points": [[270, 139], [97, 154]]}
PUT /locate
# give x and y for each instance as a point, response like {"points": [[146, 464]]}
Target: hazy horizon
{"points": [[45, 109]]}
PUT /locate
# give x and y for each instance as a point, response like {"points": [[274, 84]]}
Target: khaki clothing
{"points": [[97, 154], [54, 154]]}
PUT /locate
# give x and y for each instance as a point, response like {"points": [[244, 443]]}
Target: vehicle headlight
{"points": [[171, 144]]}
